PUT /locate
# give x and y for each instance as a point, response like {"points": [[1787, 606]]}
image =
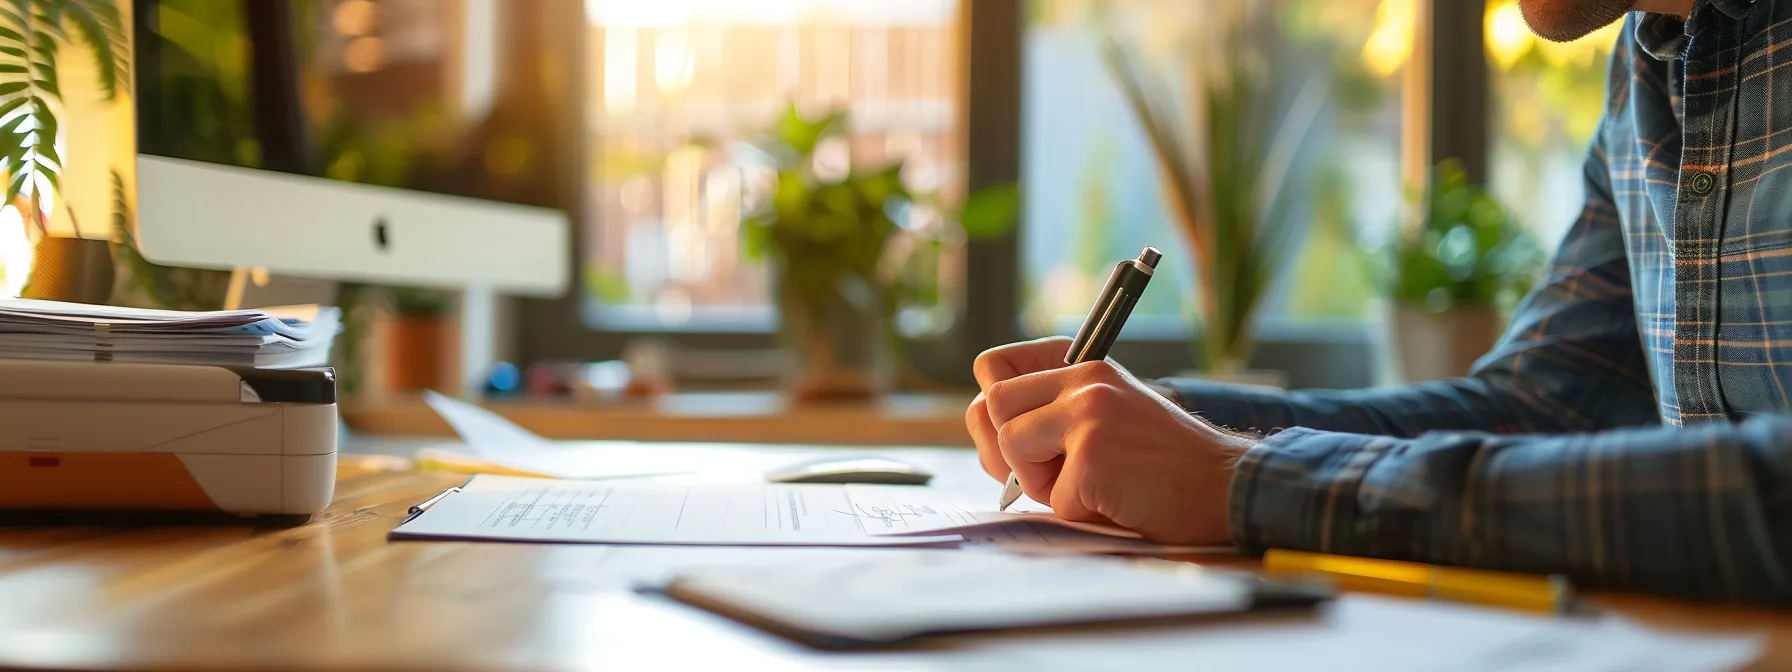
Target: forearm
{"points": [[1693, 512], [1462, 404]]}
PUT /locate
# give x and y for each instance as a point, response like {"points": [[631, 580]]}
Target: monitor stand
{"points": [[255, 288]]}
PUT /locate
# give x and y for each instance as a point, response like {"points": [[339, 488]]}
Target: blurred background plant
{"points": [[850, 247], [31, 34], [1469, 251], [1454, 278], [1230, 159], [32, 144]]}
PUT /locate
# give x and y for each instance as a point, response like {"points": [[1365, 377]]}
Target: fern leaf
{"points": [[98, 24], [16, 184], [47, 150], [12, 106], [17, 12]]}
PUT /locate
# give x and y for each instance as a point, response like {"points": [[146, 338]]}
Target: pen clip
{"points": [[417, 510]]}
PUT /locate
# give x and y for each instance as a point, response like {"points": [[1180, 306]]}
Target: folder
{"points": [[898, 596]]}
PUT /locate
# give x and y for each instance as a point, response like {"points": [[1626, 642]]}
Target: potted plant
{"points": [[1226, 151], [77, 268], [844, 245], [1452, 278], [415, 338]]}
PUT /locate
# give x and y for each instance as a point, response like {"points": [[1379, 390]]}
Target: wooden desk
{"points": [[898, 420], [334, 594]]}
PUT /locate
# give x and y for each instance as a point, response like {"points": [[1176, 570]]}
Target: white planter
{"points": [[1433, 346]]}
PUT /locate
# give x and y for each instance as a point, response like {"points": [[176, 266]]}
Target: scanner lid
{"points": [[114, 381]]}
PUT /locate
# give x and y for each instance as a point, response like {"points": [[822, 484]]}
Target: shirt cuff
{"points": [[1235, 407], [1298, 490]]}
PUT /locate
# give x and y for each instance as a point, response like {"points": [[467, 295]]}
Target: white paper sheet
{"points": [[491, 438], [293, 337], [504, 508], [958, 512], [522, 509], [1373, 634]]}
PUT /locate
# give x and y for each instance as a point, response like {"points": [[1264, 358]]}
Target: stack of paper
{"points": [[271, 338]]}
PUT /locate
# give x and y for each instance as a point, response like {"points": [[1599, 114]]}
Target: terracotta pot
{"points": [[77, 270], [841, 352], [414, 352], [1432, 346]]}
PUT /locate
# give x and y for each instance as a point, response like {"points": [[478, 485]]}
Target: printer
{"points": [[115, 436]]}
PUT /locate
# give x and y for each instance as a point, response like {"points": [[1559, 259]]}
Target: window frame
{"points": [[1447, 116]]}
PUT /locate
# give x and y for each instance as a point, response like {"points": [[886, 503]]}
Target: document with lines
{"points": [[504, 508], [508, 508]]}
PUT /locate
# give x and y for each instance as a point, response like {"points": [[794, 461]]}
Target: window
{"points": [[1548, 100], [1093, 190], [658, 249], [675, 80]]}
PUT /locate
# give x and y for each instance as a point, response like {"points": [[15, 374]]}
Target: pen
{"points": [[1101, 327], [1524, 592]]}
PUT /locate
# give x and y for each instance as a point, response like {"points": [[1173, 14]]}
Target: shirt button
{"points": [[1702, 183]]}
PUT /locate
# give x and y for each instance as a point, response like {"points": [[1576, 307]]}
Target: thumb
{"points": [[1018, 359]]}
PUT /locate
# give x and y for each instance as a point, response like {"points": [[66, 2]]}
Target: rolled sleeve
{"points": [[1696, 512], [1303, 489]]}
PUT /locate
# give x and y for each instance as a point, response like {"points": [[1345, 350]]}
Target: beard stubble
{"points": [[1568, 20]]}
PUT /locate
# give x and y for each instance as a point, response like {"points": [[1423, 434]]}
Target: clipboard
{"points": [[900, 597], [419, 508]]}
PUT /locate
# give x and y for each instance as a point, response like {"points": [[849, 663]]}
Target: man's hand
{"points": [[1096, 444]]}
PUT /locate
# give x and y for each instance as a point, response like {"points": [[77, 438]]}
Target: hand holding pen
{"points": [[1101, 328], [1096, 443]]}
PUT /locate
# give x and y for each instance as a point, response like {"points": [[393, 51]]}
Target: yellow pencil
{"points": [[1525, 592], [436, 460]]}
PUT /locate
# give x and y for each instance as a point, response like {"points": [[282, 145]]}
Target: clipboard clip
{"points": [[418, 509]]}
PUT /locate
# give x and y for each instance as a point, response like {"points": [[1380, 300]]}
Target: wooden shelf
{"points": [[756, 417]]}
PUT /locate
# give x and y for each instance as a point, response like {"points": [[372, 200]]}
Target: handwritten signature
{"points": [[887, 515]]}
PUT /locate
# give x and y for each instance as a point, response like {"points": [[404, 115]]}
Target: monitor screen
{"points": [[441, 96]]}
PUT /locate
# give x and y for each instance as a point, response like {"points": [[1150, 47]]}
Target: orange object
{"points": [[415, 352], [156, 481]]}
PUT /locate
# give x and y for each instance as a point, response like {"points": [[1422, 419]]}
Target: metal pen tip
{"points": [[1150, 257]]}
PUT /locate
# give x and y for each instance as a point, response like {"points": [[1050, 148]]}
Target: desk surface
{"points": [[335, 594]]}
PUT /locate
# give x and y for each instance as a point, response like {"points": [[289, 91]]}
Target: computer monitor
{"points": [[404, 142]]}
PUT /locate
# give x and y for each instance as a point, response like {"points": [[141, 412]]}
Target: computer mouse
{"points": [[855, 469]]}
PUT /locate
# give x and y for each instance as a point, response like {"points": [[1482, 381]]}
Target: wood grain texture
{"points": [[899, 420], [202, 593]]}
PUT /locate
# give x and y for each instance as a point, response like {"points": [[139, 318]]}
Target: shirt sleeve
{"points": [[1697, 512], [1570, 361]]}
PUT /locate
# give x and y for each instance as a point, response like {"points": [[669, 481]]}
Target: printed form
{"points": [[524, 509], [505, 508]]}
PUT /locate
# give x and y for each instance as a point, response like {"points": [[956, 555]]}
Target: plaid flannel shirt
{"points": [[1633, 429]]}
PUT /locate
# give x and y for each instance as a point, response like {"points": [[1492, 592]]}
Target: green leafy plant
{"points": [[837, 234], [1228, 161], [31, 34], [168, 287], [1468, 251], [419, 301]]}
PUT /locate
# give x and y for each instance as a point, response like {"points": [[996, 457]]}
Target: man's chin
{"points": [[1569, 20]]}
